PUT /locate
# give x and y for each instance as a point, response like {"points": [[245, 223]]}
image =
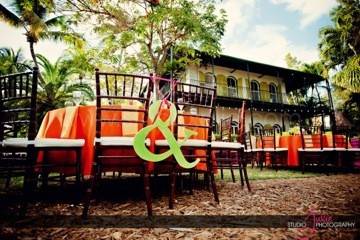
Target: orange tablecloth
{"points": [[79, 122], [293, 143]]}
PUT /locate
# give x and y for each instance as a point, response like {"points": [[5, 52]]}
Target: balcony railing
{"points": [[263, 96], [247, 93]]}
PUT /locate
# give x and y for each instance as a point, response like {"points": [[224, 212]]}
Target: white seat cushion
{"points": [[275, 149], [334, 149], [232, 145], [354, 149], [188, 143], [59, 142], [43, 142], [17, 142], [310, 150], [118, 141]]}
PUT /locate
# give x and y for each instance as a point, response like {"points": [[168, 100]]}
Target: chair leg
{"points": [[172, 188], [30, 181], [8, 180], [302, 163], [90, 191], [147, 193], [62, 179], [191, 181], [246, 176], [214, 189], [78, 166], [232, 173], [45, 173], [241, 173]]}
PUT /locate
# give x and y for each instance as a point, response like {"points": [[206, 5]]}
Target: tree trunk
{"points": [[31, 43]]}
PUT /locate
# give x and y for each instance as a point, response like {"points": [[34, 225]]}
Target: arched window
{"points": [[273, 93], [232, 86], [255, 90], [277, 128], [258, 127], [209, 80], [234, 127]]}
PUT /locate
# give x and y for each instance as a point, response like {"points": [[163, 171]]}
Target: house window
{"points": [[234, 127], [258, 127], [277, 128], [273, 93], [209, 80], [232, 87], [255, 90]]}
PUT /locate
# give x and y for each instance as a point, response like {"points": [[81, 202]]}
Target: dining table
{"points": [[79, 122]]}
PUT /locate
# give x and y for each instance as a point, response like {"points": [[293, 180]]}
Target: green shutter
{"points": [[264, 94], [240, 86], [201, 77], [279, 93], [221, 85]]}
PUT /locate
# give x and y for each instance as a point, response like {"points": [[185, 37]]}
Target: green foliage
{"points": [[340, 44], [12, 62], [57, 85], [40, 21], [339, 49], [146, 32]]}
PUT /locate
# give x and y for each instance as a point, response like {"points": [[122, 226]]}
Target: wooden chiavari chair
{"points": [[191, 97], [122, 102], [269, 148], [312, 153], [20, 148]]}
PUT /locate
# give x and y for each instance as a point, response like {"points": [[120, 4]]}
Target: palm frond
{"points": [[349, 76], [70, 38], [9, 17], [55, 21]]}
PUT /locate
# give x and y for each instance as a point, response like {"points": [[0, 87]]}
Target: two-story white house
{"points": [[265, 88]]}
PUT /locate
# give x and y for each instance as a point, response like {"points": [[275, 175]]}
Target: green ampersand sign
{"points": [[139, 142]]}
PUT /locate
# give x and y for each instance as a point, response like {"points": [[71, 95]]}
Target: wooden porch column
{"points": [[331, 103]]}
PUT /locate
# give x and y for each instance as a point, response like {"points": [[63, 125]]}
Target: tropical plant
{"points": [[57, 85], [148, 30], [339, 49], [12, 62], [39, 20], [340, 44]]}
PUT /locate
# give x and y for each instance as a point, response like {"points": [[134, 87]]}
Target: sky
{"points": [[258, 30]]}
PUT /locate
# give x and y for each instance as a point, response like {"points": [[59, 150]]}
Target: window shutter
{"points": [[264, 92], [279, 93], [240, 87], [221, 85], [201, 77]]}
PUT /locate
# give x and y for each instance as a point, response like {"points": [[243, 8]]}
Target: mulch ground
{"points": [[325, 195]]}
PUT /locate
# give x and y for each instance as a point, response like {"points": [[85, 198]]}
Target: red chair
{"points": [[312, 153], [269, 148]]}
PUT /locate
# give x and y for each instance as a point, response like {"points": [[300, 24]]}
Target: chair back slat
{"points": [[202, 99], [340, 136], [247, 141], [18, 94], [124, 94], [225, 129], [312, 137], [268, 138]]}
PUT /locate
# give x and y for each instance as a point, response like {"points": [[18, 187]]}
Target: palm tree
{"points": [[57, 85], [12, 62], [340, 44], [38, 19]]}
